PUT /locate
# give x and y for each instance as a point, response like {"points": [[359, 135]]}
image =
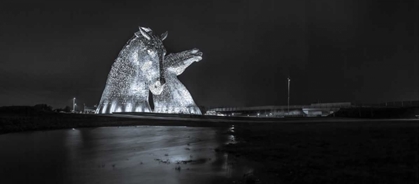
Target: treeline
{"points": [[39, 108], [43, 117]]}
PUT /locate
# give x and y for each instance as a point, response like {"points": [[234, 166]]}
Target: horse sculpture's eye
{"points": [[151, 52], [146, 66]]}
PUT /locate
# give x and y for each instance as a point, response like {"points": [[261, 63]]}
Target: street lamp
{"points": [[288, 94], [74, 104]]}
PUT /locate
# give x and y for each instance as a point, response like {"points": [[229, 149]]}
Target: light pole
{"points": [[74, 104], [288, 94]]}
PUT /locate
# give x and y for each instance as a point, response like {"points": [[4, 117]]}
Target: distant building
{"points": [[89, 110], [313, 110]]}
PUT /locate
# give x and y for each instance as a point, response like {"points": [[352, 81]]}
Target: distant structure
{"points": [[142, 67], [89, 110], [312, 110]]}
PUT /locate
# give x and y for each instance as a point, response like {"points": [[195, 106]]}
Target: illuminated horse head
{"points": [[137, 69], [152, 53]]}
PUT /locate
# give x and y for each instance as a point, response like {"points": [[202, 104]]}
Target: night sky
{"points": [[334, 51]]}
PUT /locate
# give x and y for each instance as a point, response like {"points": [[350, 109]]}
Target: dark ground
{"points": [[330, 152], [305, 150], [27, 118]]}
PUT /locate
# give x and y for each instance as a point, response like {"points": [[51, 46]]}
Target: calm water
{"points": [[143, 154]]}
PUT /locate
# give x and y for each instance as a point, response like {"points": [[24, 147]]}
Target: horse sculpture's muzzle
{"points": [[161, 71], [157, 87]]}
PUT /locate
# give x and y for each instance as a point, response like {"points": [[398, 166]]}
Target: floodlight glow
{"points": [[142, 66]]}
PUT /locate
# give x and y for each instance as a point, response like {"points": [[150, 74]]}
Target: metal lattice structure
{"points": [[142, 66]]}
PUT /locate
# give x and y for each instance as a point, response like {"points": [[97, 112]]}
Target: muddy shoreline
{"points": [[35, 121]]}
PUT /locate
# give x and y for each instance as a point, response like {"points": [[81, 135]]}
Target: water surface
{"points": [[142, 154]]}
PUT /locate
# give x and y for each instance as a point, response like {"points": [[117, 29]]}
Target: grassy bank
{"points": [[330, 152], [25, 118], [10, 122]]}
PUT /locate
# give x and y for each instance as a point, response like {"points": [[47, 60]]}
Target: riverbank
{"points": [[32, 120]]}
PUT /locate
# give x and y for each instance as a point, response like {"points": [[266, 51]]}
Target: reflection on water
{"points": [[231, 138], [140, 154]]}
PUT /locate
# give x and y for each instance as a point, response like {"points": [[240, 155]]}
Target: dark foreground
{"points": [[320, 150], [330, 152]]}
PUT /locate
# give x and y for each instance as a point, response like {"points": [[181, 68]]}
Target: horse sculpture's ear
{"points": [[164, 35], [146, 29], [144, 33]]}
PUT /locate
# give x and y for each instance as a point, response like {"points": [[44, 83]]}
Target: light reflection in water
{"points": [[231, 138], [128, 154]]}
